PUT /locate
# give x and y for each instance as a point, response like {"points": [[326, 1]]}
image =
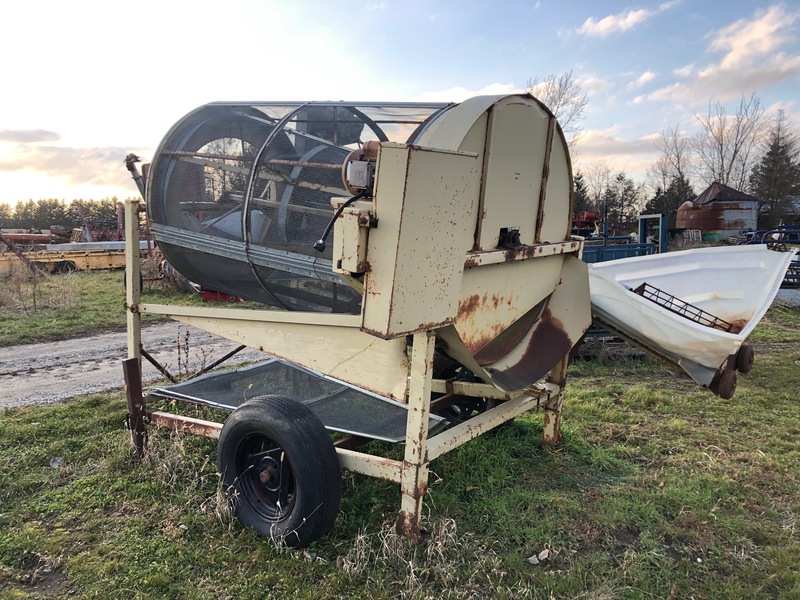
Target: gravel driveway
{"points": [[55, 371]]}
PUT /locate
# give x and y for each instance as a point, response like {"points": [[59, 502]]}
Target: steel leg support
{"points": [[551, 435], [414, 475], [133, 366], [136, 420], [133, 273]]}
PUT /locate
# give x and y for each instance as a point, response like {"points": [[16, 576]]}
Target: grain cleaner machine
{"points": [[444, 303]]}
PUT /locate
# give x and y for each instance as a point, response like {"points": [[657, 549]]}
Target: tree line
{"points": [[44, 213], [742, 148]]}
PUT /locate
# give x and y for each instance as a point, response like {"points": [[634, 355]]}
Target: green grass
{"points": [[53, 307], [661, 490]]}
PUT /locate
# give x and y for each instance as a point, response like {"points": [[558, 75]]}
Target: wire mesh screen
{"points": [[339, 406], [238, 194]]}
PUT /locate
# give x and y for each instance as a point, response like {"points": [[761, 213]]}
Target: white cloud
{"points": [[93, 166], [747, 39], [632, 156], [620, 22], [24, 136], [594, 85], [614, 23], [643, 79], [43, 171], [753, 59], [605, 143]]}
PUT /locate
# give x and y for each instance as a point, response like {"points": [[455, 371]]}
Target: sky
{"points": [[86, 82]]}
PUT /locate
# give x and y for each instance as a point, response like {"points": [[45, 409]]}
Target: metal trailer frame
{"points": [[412, 472]]}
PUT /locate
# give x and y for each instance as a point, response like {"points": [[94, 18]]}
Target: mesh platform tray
{"points": [[340, 406]]}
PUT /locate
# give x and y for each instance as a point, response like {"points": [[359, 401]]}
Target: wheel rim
{"points": [[467, 407], [266, 479]]}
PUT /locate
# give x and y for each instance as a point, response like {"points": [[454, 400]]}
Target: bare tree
{"points": [[676, 150], [659, 175], [727, 145], [563, 96], [597, 177]]}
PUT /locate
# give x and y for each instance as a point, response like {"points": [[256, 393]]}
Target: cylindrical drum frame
{"points": [[238, 193]]}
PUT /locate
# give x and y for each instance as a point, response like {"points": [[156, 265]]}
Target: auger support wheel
{"points": [[280, 470]]}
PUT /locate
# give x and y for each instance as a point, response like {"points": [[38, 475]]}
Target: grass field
{"points": [[661, 490], [51, 307]]}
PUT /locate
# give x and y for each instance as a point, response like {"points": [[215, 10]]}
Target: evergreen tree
{"points": [[669, 200], [25, 214], [50, 212], [777, 175], [580, 199], [6, 215], [622, 202]]}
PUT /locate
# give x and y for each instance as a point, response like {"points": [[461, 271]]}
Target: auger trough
{"points": [[444, 302]]}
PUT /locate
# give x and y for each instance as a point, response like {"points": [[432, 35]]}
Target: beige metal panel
{"points": [[524, 159], [513, 165], [556, 216], [494, 296], [424, 200], [524, 352], [330, 344], [565, 317], [350, 237], [451, 129]]}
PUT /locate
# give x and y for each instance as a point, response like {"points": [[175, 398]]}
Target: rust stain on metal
{"points": [[551, 126], [552, 423], [185, 424], [473, 336], [737, 325], [712, 216], [548, 344], [508, 339], [468, 305], [479, 341], [408, 526]]}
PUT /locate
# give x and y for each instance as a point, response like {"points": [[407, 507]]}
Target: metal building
{"points": [[719, 212]]}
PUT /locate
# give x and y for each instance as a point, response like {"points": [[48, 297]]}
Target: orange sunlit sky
{"points": [[87, 82]]}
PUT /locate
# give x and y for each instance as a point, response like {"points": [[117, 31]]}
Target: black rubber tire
{"points": [[280, 469], [125, 280], [727, 384], [744, 358]]}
